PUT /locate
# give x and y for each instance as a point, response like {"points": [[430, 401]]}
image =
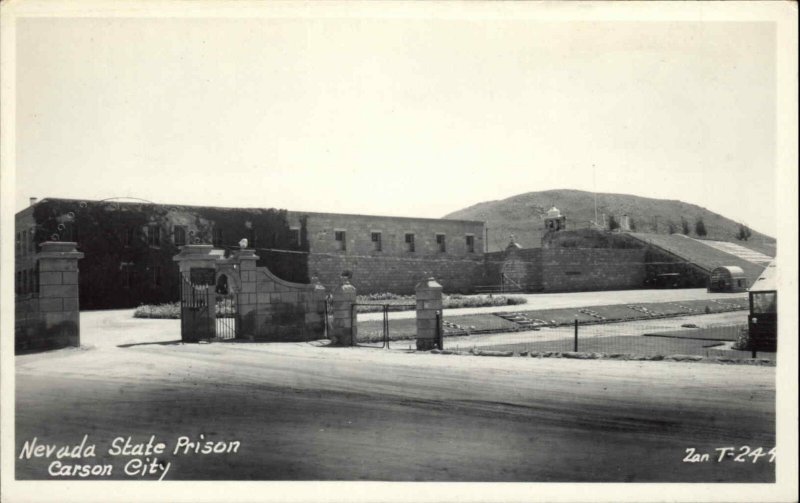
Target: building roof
{"points": [[732, 269], [296, 212], [553, 213], [768, 281]]}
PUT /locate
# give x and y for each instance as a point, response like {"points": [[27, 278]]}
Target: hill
{"points": [[523, 215]]}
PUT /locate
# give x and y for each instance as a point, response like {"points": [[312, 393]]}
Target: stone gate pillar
{"points": [[58, 293], [315, 315], [429, 302], [345, 328], [197, 266], [247, 299]]}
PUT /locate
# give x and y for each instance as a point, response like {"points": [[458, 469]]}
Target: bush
{"points": [[743, 340], [459, 301], [170, 311], [383, 296]]}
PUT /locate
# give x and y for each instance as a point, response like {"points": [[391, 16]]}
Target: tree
{"points": [[700, 227], [744, 233], [612, 223], [685, 226]]}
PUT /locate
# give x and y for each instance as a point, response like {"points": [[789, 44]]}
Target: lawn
{"points": [[639, 345]]}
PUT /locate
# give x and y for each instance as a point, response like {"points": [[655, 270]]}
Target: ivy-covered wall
{"points": [[129, 247]]}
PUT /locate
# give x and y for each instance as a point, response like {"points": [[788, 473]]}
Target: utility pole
{"points": [[594, 185]]}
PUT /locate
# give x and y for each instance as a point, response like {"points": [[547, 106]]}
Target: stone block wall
{"points": [[391, 265], [524, 267], [396, 275], [590, 269], [279, 310], [47, 316]]}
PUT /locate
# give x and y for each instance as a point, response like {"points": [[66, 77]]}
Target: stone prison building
{"points": [[128, 247], [75, 255]]}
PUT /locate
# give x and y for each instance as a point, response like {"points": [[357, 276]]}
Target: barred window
{"points": [[179, 235], [410, 242], [377, 244], [440, 241], [341, 239], [153, 235]]}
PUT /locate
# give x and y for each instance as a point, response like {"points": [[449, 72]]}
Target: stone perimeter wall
{"points": [[569, 269], [581, 269], [397, 275]]}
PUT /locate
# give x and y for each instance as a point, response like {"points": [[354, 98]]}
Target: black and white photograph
{"points": [[399, 251]]}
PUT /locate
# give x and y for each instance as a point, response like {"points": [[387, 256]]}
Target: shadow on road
{"points": [[160, 343]]}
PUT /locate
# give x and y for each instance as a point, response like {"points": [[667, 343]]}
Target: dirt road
{"points": [[304, 412]]}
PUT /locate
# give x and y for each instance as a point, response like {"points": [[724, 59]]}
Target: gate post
{"points": [[316, 320], [247, 297], [345, 327], [196, 266], [429, 303], [58, 293]]}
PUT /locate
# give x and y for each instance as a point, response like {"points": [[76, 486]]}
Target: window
{"points": [[440, 241], [341, 239], [376, 241], [157, 276], [153, 235], [764, 302], [470, 243], [179, 235], [24, 243], [409, 242], [294, 235], [32, 241], [130, 233], [36, 278], [217, 241], [251, 238], [19, 243], [18, 283], [127, 274]]}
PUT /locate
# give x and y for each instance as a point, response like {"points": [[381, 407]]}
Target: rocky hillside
{"points": [[523, 216]]}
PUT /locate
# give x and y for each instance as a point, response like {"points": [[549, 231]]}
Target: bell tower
{"points": [[555, 221]]}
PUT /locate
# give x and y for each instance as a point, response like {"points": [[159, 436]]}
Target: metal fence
{"points": [[376, 328], [645, 338]]}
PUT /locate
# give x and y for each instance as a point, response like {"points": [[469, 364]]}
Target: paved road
{"points": [[306, 412]]}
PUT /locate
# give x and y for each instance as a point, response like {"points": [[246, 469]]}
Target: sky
{"points": [[410, 117]]}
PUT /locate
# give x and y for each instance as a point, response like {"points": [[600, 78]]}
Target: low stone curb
{"points": [[577, 355]]}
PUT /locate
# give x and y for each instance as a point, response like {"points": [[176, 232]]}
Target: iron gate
{"points": [[207, 314], [227, 315], [375, 332]]}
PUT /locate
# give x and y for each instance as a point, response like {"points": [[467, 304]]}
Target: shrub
{"points": [[743, 340], [454, 302], [171, 311]]}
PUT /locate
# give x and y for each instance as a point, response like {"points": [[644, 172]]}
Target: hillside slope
{"points": [[523, 215]]}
